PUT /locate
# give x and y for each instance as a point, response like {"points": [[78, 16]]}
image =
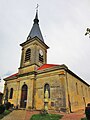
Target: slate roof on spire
{"points": [[35, 31]]}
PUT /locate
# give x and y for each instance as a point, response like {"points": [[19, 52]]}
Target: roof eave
{"points": [[73, 74], [11, 78]]}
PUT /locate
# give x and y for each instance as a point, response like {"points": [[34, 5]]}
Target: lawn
{"points": [[6, 112], [46, 117]]}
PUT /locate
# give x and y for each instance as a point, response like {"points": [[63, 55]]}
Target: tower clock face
{"points": [[41, 52]]}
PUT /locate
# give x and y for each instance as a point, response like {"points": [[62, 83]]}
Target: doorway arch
{"points": [[23, 101]]}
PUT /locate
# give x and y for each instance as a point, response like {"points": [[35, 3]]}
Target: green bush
{"points": [[46, 117], [7, 105], [2, 109]]}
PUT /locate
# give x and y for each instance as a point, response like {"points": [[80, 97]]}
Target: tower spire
{"points": [[35, 31], [36, 17]]}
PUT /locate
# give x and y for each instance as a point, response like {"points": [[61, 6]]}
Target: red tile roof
{"points": [[46, 66], [13, 75], [40, 68]]}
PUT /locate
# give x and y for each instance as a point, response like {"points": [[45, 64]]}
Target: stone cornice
{"points": [[34, 39]]}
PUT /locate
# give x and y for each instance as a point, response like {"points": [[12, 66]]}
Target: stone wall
{"points": [[79, 93], [57, 90]]}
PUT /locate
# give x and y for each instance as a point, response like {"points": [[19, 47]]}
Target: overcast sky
{"points": [[63, 24]]}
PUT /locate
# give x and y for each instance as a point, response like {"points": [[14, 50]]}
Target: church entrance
{"points": [[23, 101]]}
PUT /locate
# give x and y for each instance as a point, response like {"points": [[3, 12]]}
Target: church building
{"points": [[26, 89]]}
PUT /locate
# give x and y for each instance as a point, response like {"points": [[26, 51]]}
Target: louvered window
{"points": [[40, 58], [28, 54]]}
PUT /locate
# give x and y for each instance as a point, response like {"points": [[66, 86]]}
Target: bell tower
{"points": [[34, 49]]}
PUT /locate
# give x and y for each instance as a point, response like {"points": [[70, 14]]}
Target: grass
{"points": [[6, 112], [46, 117]]}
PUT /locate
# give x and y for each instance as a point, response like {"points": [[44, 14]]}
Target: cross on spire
{"points": [[36, 17], [37, 8]]}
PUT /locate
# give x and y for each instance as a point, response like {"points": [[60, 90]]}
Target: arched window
{"points": [[82, 90], [89, 91], [77, 88], [11, 93], [86, 92], [27, 54], [47, 87]]}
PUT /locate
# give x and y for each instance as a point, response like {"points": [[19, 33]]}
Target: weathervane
{"points": [[37, 8], [88, 32]]}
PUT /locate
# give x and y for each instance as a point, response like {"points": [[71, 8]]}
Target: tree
{"points": [[88, 32]]}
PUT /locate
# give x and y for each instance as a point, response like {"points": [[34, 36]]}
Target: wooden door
{"points": [[23, 101]]}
